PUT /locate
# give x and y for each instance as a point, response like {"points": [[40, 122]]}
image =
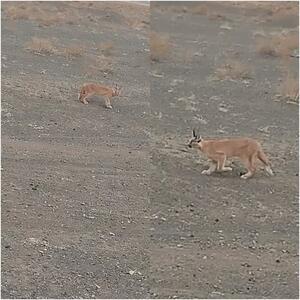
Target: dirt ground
{"points": [[100, 203]]}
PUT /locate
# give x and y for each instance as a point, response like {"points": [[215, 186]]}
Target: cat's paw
{"points": [[206, 172], [227, 169]]}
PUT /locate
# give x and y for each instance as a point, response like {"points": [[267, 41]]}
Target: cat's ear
{"points": [[194, 133]]}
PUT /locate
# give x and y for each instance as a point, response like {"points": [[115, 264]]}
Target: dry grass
{"points": [[72, 52], [281, 11], [200, 9], [96, 65], [106, 48], [278, 45], [217, 17], [138, 24], [233, 69], [33, 13], [265, 47], [41, 46], [18, 12], [289, 88], [269, 10], [43, 14], [159, 47]]}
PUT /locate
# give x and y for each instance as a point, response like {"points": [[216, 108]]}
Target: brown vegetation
{"points": [[200, 9], [34, 13], [72, 52], [98, 64], [289, 87], [159, 46], [233, 69], [278, 45], [41, 46]]}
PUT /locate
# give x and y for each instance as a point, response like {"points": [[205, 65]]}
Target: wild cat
{"points": [[90, 89], [218, 150]]}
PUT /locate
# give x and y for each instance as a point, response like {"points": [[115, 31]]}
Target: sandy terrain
{"points": [[101, 203]]}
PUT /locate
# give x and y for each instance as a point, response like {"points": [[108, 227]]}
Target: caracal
{"points": [[90, 89], [218, 150]]}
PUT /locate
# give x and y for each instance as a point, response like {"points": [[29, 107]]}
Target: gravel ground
{"points": [[101, 203]]}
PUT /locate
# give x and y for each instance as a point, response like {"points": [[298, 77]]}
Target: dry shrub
{"points": [[267, 9], [265, 47], [159, 46], [98, 64], [44, 15], [138, 24], [32, 13], [72, 52], [281, 11], [200, 9], [18, 12], [181, 7], [165, 6], [106, 48], [278, 45], [217, 17], [289, 88], [233, 69], [41, 46], [104, 64]]}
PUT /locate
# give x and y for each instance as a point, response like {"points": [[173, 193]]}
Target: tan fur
{"points": [[218, 150], [90, 89]]}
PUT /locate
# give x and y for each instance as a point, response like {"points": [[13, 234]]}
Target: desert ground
{"points": [[100, 203]]}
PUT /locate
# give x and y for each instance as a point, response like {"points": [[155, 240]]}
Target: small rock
{"points": [[295, 53], [264, 129], [175, 81], [35, 187], [33, 240], [198, 54], [131, 272], [246, 265], [200, 120], [215, 98], [225, 26], [223, 109], [156, 75], [192, 97], [88, 217]]}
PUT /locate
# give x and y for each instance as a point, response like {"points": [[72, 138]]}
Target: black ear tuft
{"points": [[194, 134]]}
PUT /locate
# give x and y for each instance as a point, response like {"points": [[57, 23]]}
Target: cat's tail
{"points": [[263, 158]]}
